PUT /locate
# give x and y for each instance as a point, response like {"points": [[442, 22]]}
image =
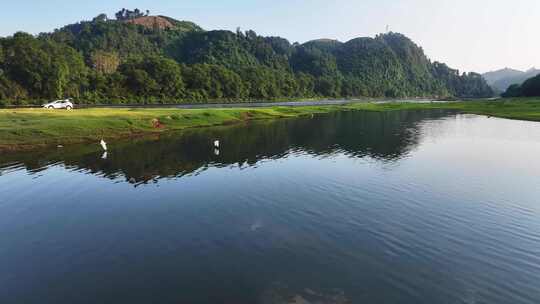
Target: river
{"points": [[350, 207]]}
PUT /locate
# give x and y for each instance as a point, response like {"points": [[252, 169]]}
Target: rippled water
{"points": [[352, 207]]}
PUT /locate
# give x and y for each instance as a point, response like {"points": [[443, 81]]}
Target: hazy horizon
{"points": [[475, 35]]}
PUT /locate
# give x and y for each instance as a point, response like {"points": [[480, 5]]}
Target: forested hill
{"points": [[500, 80], [529, 88], [138, 58]]}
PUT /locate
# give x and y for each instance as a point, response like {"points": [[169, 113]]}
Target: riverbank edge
{"points": [[30, 129]]}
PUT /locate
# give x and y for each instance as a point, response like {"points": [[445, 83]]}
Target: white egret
{"points": [[103, 145]]}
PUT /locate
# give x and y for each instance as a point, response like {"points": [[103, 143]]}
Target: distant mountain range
{"points": [[501, 79]]}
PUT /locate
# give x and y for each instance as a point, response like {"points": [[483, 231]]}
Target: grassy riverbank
{"points": [[22, 129], [512, 108]]}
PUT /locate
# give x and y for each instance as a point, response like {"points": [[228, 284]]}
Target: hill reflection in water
{"points": [[383, 136]]}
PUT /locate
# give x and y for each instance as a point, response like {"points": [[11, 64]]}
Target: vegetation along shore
{"points": [[23, 129]]}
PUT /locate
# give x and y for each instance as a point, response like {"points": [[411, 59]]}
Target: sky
{"points": [[469, 35]]}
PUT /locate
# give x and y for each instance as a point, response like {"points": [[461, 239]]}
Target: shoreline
{"points": [[239, 103], [31, 129]]}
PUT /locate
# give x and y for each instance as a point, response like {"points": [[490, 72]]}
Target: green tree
{"points": [[44, 68], [153, 77], [10, 90], [513, 91]]}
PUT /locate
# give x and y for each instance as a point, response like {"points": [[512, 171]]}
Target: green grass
{"points": [[30, 128]]}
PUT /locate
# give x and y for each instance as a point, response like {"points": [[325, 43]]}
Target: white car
{"points": [[59, 104]]}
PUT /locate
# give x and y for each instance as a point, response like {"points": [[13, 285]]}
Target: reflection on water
{"points": [[386, 137], [414, 207], [281, 293]]}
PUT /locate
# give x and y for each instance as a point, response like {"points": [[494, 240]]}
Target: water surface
{"points": [[350, 207]]}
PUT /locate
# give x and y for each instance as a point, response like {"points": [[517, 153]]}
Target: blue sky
{"points": [[471, 35]]}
